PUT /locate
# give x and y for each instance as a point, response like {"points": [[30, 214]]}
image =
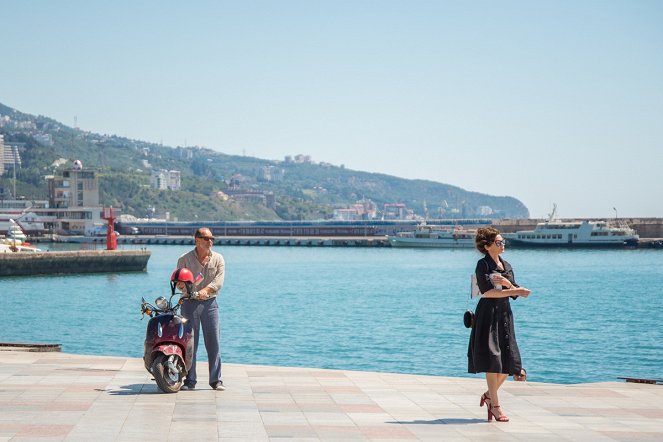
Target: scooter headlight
{"points": [[161, 303]]}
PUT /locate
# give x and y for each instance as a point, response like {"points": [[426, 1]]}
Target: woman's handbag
{"points": [[468, 316], [468, 319]]}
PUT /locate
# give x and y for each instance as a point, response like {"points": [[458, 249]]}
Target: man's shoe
{"points": [[188, 386], [218, 386]]}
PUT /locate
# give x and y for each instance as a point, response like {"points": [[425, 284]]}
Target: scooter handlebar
{"points": [[193, 295]]}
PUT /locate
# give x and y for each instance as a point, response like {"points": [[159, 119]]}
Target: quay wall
{"points": [[91, 243], [84, 261], [646, 227], [304, 241]]}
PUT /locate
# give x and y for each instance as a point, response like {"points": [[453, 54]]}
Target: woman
{"points": [[493, 349]]}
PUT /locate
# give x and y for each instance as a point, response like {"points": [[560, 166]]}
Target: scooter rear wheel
{"points": [[167, 373]]}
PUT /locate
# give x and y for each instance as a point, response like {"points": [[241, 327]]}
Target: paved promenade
{"points": [[58, 396]]}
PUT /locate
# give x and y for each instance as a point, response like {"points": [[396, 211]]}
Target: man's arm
{"points": [[219, 276]]}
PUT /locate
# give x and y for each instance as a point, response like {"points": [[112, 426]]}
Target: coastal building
{"points": [[303, 159], [45, 139], [299, 159], [350, 214], [253, 196], [10, 156], [74, 201], [19, 205], [394, 211], [185, 153], [166, 179], [364, 209], [28, 214], [30, 223], [72, 206], [270, 174], [7, 122], [235, 182], [75, 188]]}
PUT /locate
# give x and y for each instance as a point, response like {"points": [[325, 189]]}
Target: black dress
{"points": [[493, 347]]}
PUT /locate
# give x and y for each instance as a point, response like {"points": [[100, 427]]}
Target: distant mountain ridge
{"points": [[295, 191]]}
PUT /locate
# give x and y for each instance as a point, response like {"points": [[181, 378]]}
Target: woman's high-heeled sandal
{"points": [[491, 415], [484, 398]]}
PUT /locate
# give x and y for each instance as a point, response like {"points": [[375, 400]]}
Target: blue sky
{"points": [[547, 101]]}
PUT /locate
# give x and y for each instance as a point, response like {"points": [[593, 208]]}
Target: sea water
{"points": [[593, 315]]}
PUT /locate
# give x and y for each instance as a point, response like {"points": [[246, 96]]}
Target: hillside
{"points": [[299, 189]]}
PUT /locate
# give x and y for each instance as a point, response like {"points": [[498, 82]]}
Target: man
{"points": [[208, 268]]}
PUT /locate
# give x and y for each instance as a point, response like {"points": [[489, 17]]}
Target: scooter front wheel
{"points": [[167, 373]]}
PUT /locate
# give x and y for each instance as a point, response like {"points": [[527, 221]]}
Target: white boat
{"points": [[574, 233], [15, 233], [18, 248], [14, 241], [426, 235]]}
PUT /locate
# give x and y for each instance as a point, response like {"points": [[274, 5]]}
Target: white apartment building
{"points": [[166, 179]]}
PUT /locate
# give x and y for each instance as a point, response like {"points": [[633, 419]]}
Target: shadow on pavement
{"points": [[134, 389], [455, 421]]}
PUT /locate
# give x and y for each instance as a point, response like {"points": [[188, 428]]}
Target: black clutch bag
{"points": [[468, 319]]}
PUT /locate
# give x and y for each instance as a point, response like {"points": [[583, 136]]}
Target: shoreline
{"points": [[57, 348]]}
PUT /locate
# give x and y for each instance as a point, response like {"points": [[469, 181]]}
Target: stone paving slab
{"points": [[64, 397]]}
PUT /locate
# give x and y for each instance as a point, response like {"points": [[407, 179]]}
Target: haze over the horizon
{"points": [[543, 101]]}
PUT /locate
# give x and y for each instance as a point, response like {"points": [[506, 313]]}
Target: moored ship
{"points": [[574, 233], [426, 235], [15, 241], [15, 233]]}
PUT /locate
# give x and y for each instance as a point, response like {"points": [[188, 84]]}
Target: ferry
{"points": [[574, 233], [426, 235]]}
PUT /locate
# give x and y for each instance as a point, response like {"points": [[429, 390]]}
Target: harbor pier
{"points": [[83, 261]]}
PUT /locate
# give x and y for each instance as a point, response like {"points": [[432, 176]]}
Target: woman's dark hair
{"points": [[485, 237]]}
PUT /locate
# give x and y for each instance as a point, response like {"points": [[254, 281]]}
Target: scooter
{"points": [[169, 338]]}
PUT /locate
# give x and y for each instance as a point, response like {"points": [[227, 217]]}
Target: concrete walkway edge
{"points": [[59, 396]]}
